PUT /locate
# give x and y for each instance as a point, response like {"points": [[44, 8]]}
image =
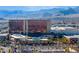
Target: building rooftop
{"points": [[74, 36]]}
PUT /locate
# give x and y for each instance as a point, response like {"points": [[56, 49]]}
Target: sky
{"points": [[29, 8]]}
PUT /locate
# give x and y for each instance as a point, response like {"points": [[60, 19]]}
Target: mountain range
{"points": [[53, 12]]}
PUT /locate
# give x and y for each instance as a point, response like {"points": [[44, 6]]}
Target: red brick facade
{"points": [[37, 25]]}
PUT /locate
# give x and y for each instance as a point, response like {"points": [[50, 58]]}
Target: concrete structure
{"points": [[4, 26], [17, 36], [3, 36]]}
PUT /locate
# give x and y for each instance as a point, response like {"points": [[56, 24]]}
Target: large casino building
{"points": [[16, 26], [29, 26], [38, 26]]}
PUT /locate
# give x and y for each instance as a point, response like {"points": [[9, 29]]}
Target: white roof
{"points": [[18, 36], [4, 34], [37, 39], [61, 28], [74, 36], [43, 39]]}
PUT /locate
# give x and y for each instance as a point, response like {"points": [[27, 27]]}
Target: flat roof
{"points": [[74, 36], [4, 34], [44, 39], [17, 36]]}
